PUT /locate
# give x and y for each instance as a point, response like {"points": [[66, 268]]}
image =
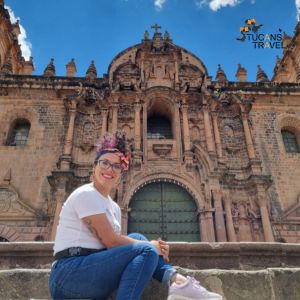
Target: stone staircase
{"points": [[267, 284], [238, 271]]}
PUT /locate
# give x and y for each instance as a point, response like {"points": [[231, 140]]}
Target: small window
{"points": [[19, 133], [290, 141], [159, 127], [2, 239]]}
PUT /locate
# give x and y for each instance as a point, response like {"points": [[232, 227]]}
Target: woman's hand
{"points": [[165, 249], [162, 248]]}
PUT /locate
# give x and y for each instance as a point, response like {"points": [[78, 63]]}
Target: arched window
{"points": [[290, 141], [159, 127], [2, 239], [19, 133]]}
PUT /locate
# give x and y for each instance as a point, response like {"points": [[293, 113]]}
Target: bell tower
{"points": [[11, 59]]}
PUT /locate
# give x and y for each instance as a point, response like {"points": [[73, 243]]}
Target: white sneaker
{"points": [[191, 290]]}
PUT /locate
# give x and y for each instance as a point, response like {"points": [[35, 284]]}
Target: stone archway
{"points": [[164, 209]]}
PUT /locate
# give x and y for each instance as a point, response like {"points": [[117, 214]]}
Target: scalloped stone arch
{"points": [[164, 177]]}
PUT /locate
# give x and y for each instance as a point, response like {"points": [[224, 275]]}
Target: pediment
{"points": [[11, 206]]}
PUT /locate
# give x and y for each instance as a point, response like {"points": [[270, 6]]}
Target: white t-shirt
{"points": [[84, 201]]}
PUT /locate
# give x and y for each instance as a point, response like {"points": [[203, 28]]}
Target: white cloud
{"points": [[201, 3], [217, 4], [22, 38], [297, 3], [159, 3]]}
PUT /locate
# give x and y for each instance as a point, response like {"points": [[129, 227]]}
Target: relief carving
{"points": [[11, 206]]}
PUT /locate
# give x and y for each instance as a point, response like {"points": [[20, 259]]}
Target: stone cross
{"points": [[156, 27]]}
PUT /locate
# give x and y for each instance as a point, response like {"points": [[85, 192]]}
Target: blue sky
{"points": [[99, 29]]}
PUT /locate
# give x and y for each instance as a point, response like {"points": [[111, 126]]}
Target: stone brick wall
{"points": [[32, 163]]}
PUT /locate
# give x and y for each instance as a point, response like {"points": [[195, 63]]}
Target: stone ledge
{"points": [[267, 284], [243, 256]]}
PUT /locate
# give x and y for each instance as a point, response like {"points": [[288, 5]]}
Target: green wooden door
{"points": [[165, 210]]}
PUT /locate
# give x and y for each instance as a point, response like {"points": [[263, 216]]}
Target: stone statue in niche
{"points": [[235, 215]]}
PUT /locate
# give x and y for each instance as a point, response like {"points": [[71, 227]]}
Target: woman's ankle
{"points": [[178, 279]]}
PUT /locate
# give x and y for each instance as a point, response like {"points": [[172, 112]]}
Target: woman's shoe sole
{"points": [[175, 297]]}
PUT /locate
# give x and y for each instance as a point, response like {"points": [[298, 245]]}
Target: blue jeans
{"points": [[127, 268]]}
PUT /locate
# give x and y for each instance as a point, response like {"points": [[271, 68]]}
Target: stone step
{"points": [[266, 284]]}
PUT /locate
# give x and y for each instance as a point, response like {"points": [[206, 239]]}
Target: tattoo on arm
{"points": [[92, 229]]}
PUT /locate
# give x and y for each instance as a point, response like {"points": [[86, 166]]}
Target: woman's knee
{"points": [[138, 236]]}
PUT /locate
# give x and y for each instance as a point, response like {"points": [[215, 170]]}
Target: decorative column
{"points": [[217, 134], [202, 222], [176, 72], [104, 121], [249, 143], [66, 157], [262, 200], [125, 210], [186, 130], [114, 116], [60, 197], [208, 130], [229, 223], [219, 216], [178, 130], [145, 136], [137, 126], [207, 225]]}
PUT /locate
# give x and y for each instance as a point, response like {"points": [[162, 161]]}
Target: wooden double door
{"points": [[166, 210]]}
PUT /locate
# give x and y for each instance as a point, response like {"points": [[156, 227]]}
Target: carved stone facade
{"points": [[219, 141]]}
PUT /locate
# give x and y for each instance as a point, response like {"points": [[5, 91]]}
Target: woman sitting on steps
{"points": [[93, 258]]}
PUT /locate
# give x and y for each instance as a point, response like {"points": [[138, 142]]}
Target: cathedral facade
{"points": [[212, 160]]}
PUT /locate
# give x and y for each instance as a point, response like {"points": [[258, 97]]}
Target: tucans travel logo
{"points": [[251, 32]]}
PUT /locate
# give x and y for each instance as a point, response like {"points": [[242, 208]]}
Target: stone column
{"points": [[202, 221], [176, 71], [186, 130], [104, 121], [66, 157], [178, 130], [125, 210], [60, 197], [209, 225], [249, 143], [137, 126], [217, 134], [219, 216], [145, 137], [268, 233], [229, 223], [114, 117], [208, 130]]}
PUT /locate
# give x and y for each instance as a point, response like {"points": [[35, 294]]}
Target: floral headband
{"points": [[125, 158]]}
